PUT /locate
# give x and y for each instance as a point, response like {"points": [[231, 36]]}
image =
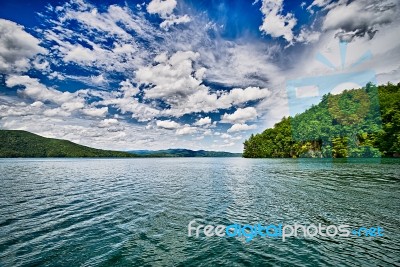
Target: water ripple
{"points": [[134, 212]]}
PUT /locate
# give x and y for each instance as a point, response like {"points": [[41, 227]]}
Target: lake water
{"points": [[135, 212]]}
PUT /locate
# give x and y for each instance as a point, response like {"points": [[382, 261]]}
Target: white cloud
{"points": [[360, 18], [67, 102], [37, 91], [19, 109], [241, 127], [275, 23], [168, 124], [178, 81], [93, 48], [207, 132], [306, 36], [107, 123], [95, 112], [173, 79], [98, 80], [226, 144], [318, 3], [226, 136], [203, 121], [249, 64], [173, 20], [56, 112], [41, 64], [37, 104], [112, 125], [128, 88], [163, 8], [93, 19], [186, 130], [17, 47], [80, 54], [125, 103], [238, 95], [241, 115]]}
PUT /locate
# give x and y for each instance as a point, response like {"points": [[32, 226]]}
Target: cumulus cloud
{"points": [[186, 130], [125, 100], [172, 125], [17, 47], [56, 112], [80, 54], [275, 23], [165, 8], [99, 79], [241, 127], [128, 89], [241, 115], [168, 124], [306, 36], [238, 95], [174, 20], [107, 123], [37, 91], [172, 79], [127, 104], [95, 112], [226, 136], [112, 125], [41, 64], [360, 18], [178, 81], [66, 102], [203, 121]]}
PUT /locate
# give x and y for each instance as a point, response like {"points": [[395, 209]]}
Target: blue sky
{"points": [[178, 74]]}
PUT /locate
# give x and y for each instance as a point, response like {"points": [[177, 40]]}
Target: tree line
{"points": [[356, 123]]}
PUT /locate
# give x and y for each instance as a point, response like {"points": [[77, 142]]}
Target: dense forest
{"points": [[356, 123], [15, 144]]}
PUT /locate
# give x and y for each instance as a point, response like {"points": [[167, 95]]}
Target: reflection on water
{"points": [[135, 212]]}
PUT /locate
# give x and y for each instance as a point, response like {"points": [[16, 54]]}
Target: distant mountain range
{"points": [[23, 144], [180, 152]]}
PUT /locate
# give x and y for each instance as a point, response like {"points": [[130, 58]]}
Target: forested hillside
{"points": [[25, 144], [356, 123]]}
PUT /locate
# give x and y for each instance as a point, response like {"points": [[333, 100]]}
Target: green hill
{"points": [[356, 123], [25, 144]]}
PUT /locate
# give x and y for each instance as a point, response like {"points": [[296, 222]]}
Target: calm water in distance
{"points": [[135, 212]]}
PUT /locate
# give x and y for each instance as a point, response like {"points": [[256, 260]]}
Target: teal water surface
{"points": [[135, 212]]}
